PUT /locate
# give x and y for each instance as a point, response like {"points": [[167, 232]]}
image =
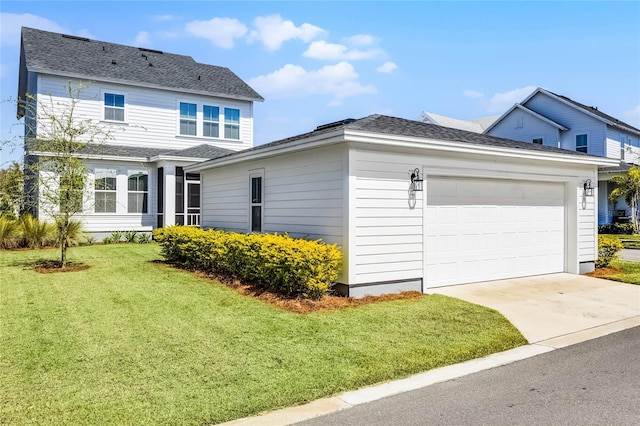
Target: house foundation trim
{"points": [[378, 288]]}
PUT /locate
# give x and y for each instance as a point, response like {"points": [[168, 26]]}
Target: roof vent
{"points": [[72, 37], [113, 62], [198, 77], [150, 64], [335, 124], [144, 49]]}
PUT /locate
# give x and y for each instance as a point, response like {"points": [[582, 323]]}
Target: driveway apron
{"points": [[551, 306]]}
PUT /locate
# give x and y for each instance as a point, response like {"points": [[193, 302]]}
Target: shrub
{"points": [[116, 236], [36, 233], [9, 233], [617, 228], [130, 236], [89, 240], [143, 238], [289, 266], [608, 248], [107, 240]]}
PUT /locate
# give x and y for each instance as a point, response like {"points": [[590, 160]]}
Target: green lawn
{"points": [[627, 272], [130, 341]]}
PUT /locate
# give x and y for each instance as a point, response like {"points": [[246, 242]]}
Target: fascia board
{"points": [[463, 147], [306, 143], [142, 84], [94, 157]]}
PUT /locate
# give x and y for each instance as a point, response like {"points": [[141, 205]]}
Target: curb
{"points": [[320, 407]]}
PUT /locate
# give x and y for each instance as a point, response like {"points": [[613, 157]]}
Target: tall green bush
{"points": [[9, 233], [278, 263], [608, 248]]}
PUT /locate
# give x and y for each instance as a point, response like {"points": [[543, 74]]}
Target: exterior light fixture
{"points": [[588, 189], [416, 179]]}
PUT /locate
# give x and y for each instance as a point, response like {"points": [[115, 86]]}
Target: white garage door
{"points": [[488, 229]]}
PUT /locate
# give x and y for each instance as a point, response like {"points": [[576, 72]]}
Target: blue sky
{"points": [[318, 62]]}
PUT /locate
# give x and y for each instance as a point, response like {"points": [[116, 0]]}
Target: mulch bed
{"points": [[297, 305], [55, 266], [605, 272]]}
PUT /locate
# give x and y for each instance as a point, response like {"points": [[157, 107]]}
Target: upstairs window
{"points": [[231, 123], [538, 141], [113, 107], [138, 192], [105, 191], [210, 121], [188, 119], [581, 143]]}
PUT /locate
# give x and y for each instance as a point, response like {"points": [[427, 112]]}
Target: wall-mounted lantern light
{"points": [[416, 179], [588, 189]]}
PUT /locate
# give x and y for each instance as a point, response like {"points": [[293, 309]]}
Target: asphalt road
{"points": [[595, 382]]}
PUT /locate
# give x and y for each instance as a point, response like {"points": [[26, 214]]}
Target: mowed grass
{"points": [[130, 341], [620, 270]]}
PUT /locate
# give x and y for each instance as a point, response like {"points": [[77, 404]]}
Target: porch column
{"points": [[169, 195]]}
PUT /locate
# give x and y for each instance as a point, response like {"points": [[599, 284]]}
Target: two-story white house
{"points": [[164, 111], [549, 119]]}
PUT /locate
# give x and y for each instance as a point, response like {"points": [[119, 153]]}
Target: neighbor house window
{"points": [[138, 192], [113, 107], [581, 143], [256, 203], [105, 191], [538, 141], [210, 121], [187, 119], [231, 123]]}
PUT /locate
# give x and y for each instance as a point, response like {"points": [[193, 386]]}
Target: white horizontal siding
{"points": [[613, 149], [303, 195], [388, 233], [151, 115], [587, 229]]}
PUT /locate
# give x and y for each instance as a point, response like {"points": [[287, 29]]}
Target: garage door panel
{"points": [[481, 229]]}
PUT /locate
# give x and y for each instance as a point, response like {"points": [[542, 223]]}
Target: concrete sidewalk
{"points": [[551, 311]]}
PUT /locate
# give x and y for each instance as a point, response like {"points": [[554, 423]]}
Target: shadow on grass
{"points": [[50, 266]]}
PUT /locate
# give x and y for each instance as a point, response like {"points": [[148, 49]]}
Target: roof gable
{"points": [[79, 57], [528, 111]]}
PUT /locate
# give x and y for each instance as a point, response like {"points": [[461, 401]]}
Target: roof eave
{"points": [[143, 84]]}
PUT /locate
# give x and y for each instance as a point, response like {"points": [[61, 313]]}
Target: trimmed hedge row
{"points": [[617, 228], [289, 266], [608, 248]]}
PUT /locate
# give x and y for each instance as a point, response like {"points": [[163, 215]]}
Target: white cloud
{"points": [[167, 34], [500, 102], [162, 18], [331, 51], [387, 67], [473, 94], [85, 33], [10, 24], [272, 31], [361, 40], [632, 116], [142, 39], [220, 31], [339, 81]]}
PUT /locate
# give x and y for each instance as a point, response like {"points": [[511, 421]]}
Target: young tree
{"points": [[628, 187], [11, 190], [56, 136]]}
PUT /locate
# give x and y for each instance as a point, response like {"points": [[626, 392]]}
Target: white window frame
{"points": [[130, 173], [194, 120], [230, 124], [124, 109], [205, 121], [254, 174], [97, 191]]}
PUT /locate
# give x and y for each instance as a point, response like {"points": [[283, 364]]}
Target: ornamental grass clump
{"points": [[291, 267]]}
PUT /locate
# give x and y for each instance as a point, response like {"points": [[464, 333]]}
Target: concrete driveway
{"points": [[559, 309], [632, 255]]}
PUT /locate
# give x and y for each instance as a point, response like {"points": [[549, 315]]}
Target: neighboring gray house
{"points": [[165, 111], [549, 119], [413, 205]]}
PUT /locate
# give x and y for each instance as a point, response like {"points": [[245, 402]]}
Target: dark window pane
{"points": [[256, 190], [211, 113], [194, 196], [119, 101], [109, 99], [179, 191], [256, 219]]}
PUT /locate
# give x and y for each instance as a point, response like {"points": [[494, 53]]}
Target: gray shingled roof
{"points": [[383, 124], [98, 60], [200, 151], [594, 110]]}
